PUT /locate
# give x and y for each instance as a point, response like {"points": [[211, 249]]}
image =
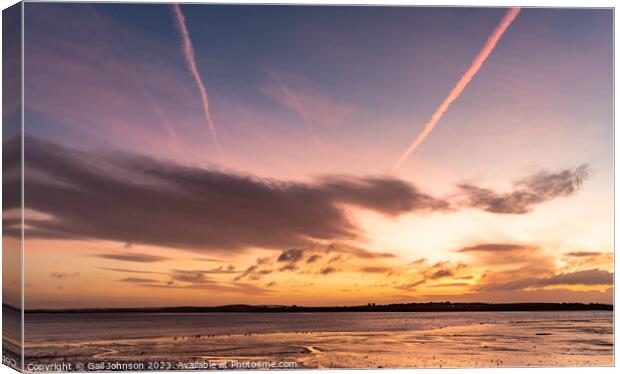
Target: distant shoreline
{"points": [[388, 308]]}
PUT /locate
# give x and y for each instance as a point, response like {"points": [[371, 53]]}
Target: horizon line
{"points": [[305, 307]]}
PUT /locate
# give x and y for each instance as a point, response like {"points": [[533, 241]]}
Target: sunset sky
{"points": [[129, 202]]}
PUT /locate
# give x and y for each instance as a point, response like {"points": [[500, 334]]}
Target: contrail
{"points": [[190, 60], [299, 108], [174, 138], [461, 84]]}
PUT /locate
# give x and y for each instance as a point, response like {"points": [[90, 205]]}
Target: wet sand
{"points": [[524, 343]]}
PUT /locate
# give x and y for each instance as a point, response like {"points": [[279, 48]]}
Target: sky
{"points": [[211, 154]]}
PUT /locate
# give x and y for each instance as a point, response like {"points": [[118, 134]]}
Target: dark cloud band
{"points": [[134, 199]]}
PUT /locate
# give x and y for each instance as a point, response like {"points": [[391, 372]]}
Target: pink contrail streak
{"points": [[190, 60], [300, 110], [461, 84]]}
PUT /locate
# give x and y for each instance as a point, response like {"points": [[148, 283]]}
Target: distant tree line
{"points": [[370, 307]]}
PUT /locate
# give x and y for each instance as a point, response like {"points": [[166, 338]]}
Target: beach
{"points": [[497, 340]]}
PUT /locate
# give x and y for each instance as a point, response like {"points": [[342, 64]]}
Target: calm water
{"points": [[94, 327]]}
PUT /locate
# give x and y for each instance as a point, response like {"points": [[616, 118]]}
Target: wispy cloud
{"points": [[174, 138], [64, 275], [191, 280], [461, 84], [328, 270], [190, 276], [528, 193], [583, 254], [591, 277], [376, 269], [132, 257], [190, 60], [130, 271], [236, 288], [584, 260], [288, 97], [137, 280], [510, 254], [297, 93]]}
